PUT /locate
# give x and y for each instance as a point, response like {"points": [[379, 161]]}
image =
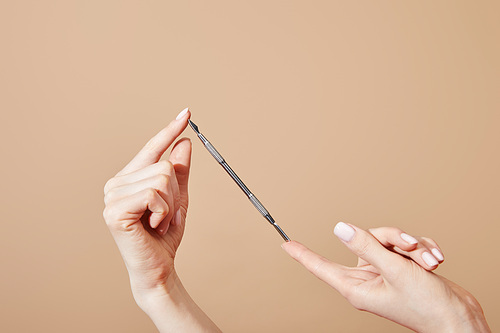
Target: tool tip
{"points": [[193, 126]]}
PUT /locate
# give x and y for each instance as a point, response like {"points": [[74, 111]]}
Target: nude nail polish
{"points": [[344, 231], [437, 254], [409, 239], [429, 259], [181, 114], [162, 230]]}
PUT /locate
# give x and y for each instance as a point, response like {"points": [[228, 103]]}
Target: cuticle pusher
{"points": [[238, 181]]}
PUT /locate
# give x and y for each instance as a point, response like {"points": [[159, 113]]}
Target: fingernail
{"points": [[429, 259], [344, 231], [177, 218], [409, 239], [437, 254], [181, 114], [162, 230]]}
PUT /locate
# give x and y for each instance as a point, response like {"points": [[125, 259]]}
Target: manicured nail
{"points": [[344, 231], [429, 259], [177, 218], [162, 227], [409, 239], [181, 114], [437, 254], [162, 230]]}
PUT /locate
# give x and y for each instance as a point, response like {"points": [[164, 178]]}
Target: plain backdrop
{"points": [[376, 113]]}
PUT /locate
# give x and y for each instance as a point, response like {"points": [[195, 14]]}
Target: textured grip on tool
{"points": [[258, 205], [214, 152]]}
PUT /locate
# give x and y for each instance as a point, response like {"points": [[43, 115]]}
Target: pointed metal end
{"points": [[193, 126], [281, 232], [277, 227]]}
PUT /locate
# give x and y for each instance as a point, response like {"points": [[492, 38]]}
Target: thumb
{"points": [[365, 246], [180, 157]]}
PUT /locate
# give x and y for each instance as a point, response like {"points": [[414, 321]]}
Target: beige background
{"points": [[374, 113]]}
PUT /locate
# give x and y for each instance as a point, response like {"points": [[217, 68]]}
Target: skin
{"points": [[146, 207], [392, 280]]}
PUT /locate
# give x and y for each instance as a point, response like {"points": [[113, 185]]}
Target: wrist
{"points": [[471, 319], [465, 316], [171, 308], [148, 297]]}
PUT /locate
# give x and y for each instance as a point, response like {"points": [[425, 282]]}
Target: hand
{"points": [[400, 289], [146, 207]]}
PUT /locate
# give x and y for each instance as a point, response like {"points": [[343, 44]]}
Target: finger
{"points": [[176, 219], [402, 243], [433, 247], [158, 182], [154, 149], [427, 254], [389, 236], [161, 167], [124, 215], [169, 199], [171, 219], [327, 271], [180, 157], [365, 246]]}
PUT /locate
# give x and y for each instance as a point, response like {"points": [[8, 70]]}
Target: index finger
{"points": [[324, 269], [157, 145]]}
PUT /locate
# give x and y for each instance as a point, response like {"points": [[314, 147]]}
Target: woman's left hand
{"points": [[393, 279]]}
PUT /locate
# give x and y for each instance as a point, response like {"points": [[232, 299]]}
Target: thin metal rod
{"points": [[238, 181]]}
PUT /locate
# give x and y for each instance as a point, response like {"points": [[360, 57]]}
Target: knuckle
{"points": [[162, 180], [109, 196], [161, 183], [150, 194], [319, 266], [115, 218], [109, 214], [108, 185], [166, 166], [362, 247]]}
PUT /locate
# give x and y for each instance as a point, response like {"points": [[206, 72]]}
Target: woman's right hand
{"points": [[398, 286], [146, 206]]}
